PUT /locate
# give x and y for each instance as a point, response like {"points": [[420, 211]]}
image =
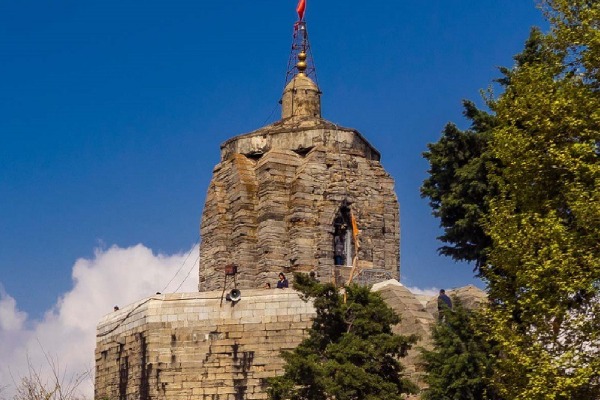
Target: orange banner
{"points": [[301, 8]]}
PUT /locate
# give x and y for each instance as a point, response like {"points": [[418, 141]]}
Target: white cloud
{"points": [[425, 292], [11, 319], [116, 276]]}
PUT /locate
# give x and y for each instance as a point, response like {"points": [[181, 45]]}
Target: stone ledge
{"points": [[255, 305]]}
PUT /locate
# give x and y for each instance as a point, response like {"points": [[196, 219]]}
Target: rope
{"points": [[144, 302], [188, 274], [314, 68], [353, 220], [270, 115], [124, 318], [181, 267], [337, 135]]}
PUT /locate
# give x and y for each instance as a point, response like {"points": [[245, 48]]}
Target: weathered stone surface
{"points": [[301, 97], [415, 320], [273, 198], [279, 226], [197, 346], [418, 315], [272, 206], [193, 345]]}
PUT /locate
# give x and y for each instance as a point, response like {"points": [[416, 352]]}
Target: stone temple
{"points": [[283, 195], [300, 195]]}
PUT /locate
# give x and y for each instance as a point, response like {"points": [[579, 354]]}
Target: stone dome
{"points": [[301, 97]]}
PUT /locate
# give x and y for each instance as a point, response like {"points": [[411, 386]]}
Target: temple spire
{"points": [[301, 95], [301, 59]]}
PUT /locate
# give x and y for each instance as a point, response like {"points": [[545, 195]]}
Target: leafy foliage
{"points": [[545, 222], [351, 352], [542, 214], [576, 37], [460, 366]]}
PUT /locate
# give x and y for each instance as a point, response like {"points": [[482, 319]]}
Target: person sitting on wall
{"points": [[283, 282], [444, 303], [267, 286]]}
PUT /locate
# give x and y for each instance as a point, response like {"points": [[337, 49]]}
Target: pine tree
{"points": [[460, 365], [459, 183], [350, 353], [462, 169]]}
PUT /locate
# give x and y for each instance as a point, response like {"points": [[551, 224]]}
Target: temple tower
{"points": [[302, 194]]}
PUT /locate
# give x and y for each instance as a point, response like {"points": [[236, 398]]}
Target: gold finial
{"points": [[301, 65]]}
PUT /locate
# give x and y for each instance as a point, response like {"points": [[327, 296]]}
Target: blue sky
{"points": [[112, 113]]}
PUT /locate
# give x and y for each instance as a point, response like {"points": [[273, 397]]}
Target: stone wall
{"points": [[415, 320], [272, 201], [193, 346]]}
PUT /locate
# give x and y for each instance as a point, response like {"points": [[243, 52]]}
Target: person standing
{"points": [[338, 250], [444, 303]]}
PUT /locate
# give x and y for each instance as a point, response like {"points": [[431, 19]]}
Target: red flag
{"points": [[301, 8]]}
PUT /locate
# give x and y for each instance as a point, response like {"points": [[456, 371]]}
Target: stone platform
{"points": [[193, 346], [197, 346]]}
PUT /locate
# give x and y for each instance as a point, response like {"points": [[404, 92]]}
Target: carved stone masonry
{"points": [[281, 194]]}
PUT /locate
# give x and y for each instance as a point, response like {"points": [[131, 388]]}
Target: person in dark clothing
{"points": [[338, 250], [444, 303], [282, 282]]}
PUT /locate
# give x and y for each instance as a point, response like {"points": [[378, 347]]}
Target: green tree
{"points": [[350, 353], [542, 216], [460, 366], [458, 185], [576, 34], [545, 220], [461, 170]]}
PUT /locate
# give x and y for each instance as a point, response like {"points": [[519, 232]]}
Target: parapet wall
{"points": [[298, 134], [192, 346], [184, 346]]}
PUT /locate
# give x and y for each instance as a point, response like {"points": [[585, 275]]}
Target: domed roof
{"points": [[301, 81], [301, 97]]}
